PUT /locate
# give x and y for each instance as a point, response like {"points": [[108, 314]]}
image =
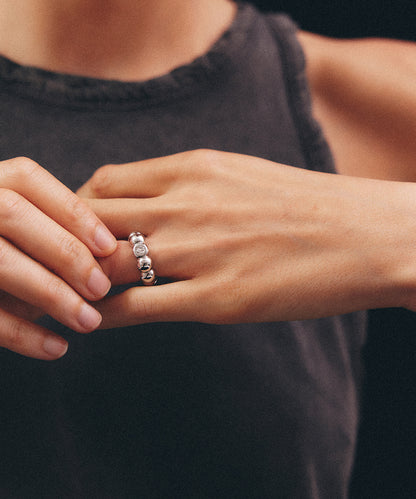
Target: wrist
{"points": [[394, 254]]}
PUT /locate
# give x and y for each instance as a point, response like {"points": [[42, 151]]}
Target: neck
{"points": [[112, 39]]}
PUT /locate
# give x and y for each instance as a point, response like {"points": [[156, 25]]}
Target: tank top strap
{"points": [[314, 145]]}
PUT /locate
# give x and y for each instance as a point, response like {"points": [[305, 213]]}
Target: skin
{"points": [[114, 39], [258, 241], [246, 264], [364, 97], [49, 242]]}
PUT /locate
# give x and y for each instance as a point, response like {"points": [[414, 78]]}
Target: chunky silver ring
{"points": [[144, 262]]}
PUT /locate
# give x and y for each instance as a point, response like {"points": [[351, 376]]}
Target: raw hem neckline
{"points": [[80, 91]]}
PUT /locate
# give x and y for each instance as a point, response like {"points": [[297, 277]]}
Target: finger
{"points": [[46, 192], [29, 339], [123, 216], [47, 242], [30, 282], [140, 305], [147, 178], [168, 260], [121, 266], [19, 308]]}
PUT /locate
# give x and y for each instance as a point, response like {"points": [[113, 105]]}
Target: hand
{"points": [[48, 241], [247, 240]]}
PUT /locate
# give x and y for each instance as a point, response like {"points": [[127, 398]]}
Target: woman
{"points": [[200, 389]]}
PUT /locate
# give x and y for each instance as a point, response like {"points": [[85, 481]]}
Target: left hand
{"points": [[247, 240]]}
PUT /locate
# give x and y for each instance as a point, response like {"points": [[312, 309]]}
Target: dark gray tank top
{"points": [[180, 410]]}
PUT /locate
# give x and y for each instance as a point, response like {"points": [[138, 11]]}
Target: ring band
{"points": [[144, 262]]}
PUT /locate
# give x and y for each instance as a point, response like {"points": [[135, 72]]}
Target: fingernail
{"points": [[55, 346], [89, 318], [98, 283], [104, 240]]}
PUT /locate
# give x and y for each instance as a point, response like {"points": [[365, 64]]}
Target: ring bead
{"points": [[140, 249], [149, 278], [144, 263], [136, 237]]}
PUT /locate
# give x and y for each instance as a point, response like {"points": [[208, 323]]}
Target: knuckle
{"points": [[21, 168], [54, 293], [208, 156], [16, 334], [102, 179], [71, 251], [28, 165], [77, 210], [204, 154], [206, 160], [10, 204]]}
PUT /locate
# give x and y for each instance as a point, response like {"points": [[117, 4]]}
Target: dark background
{"points": [[350, 18], [386, 455]]}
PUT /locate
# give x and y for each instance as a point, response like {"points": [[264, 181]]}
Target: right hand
{"points": [[48, 243]]}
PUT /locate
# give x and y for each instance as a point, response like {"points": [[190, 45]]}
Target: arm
{"points": [[364, 95]]}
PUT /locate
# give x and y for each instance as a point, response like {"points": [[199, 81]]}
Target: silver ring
{"points": [[144, 262]]}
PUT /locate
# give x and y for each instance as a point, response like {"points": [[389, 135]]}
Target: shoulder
{"points": [[364, 95]]}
